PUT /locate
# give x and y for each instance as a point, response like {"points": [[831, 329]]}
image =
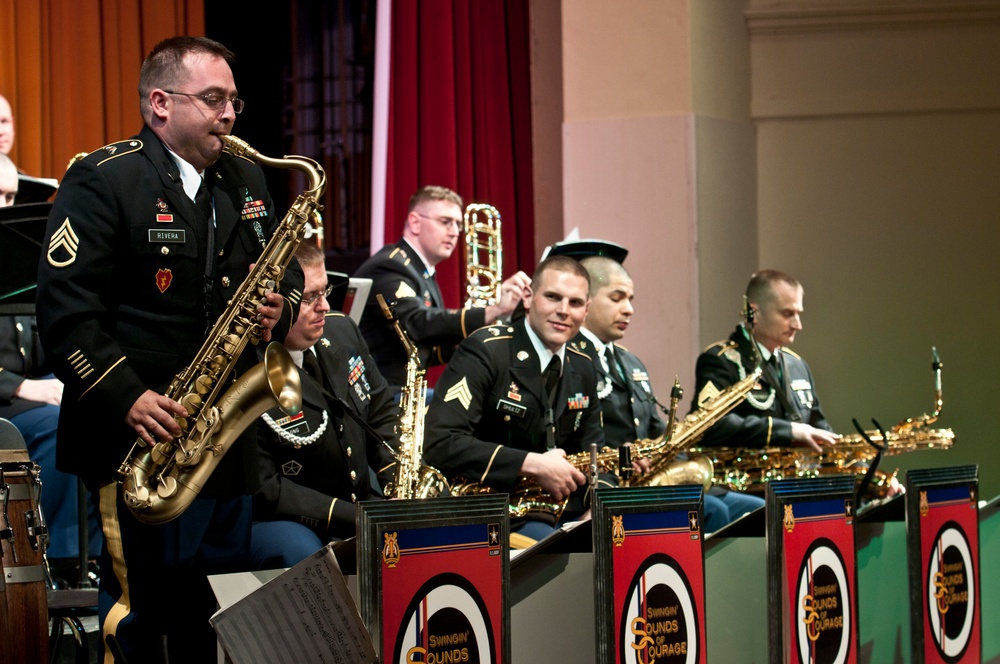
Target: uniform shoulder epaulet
{"points": [[721, 346], [399, 255], [573, 349], [495, 332], [114, 151], [791, 352], [618, 345]]}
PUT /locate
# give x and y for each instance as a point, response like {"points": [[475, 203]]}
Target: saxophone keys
{"points": [[203, 384], [167, 487], [192, 403], [160, 453]]}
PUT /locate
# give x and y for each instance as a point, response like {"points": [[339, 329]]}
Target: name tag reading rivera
{"points": [[157, 235]]}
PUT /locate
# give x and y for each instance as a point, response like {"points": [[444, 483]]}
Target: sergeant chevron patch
{"points": [[459, 391], [404, 290], [66, 240]]}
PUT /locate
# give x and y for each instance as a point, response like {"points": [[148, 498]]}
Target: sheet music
{"points": [[305, 614]]}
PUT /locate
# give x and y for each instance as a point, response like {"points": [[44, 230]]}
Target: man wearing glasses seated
{"points": [[403, 274]]}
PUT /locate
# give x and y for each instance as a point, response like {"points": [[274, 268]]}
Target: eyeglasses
{"points": [[214, 102], [446, 222], [310, 300]]}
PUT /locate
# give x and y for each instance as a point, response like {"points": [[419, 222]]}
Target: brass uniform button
{"points": [[636, 420], [225, 282], [354, 498], [506, 418], [349, 452], [164, 250], [354, 475]]}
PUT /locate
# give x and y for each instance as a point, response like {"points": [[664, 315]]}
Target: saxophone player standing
{"points": [[148, 239], [403, 274]]}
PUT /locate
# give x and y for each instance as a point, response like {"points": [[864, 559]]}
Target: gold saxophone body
{"points": [[412, 479], [160, 482], [749, 469], [483, 255], [528, 496]]}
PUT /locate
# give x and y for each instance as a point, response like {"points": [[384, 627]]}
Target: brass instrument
{"points": [[528, 495], [160, 482], [749, 469], [483, 256], [413, 479]]}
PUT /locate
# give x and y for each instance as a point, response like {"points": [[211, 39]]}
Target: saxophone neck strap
{"points": [[767, 369]]}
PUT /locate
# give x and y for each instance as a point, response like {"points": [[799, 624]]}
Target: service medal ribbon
{"points": [[578, 402], [357, 369]]}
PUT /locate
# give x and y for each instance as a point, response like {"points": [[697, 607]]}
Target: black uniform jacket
{"points": [[760, 420], [318, 484], [121, 292], [627, 403], [21, 357], [398, 274], [489, 409]]}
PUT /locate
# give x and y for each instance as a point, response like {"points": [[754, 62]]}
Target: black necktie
{"points": [[776, 366], [203, 202], [550, 377], [311, 365]]}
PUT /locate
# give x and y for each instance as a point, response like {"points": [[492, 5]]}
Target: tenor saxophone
{"points": [[528, 496], [161, 481], [412, 479]]}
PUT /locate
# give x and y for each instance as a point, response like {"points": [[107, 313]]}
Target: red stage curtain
{"points": [[460, 117], [70, 69]]}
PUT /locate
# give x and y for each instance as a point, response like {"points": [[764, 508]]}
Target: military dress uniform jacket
{"points": [[489, 408], [760, 420], [318, 483], [122, 292], [628, 406], [400, 276], [21, 358]]}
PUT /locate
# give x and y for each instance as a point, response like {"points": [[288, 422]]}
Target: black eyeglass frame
{"points": [[214, 102]]}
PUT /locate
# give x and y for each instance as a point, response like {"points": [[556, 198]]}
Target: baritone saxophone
{"points": [[160, 482]]}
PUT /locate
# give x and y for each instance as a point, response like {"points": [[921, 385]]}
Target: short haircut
{"points": [[601, 269], [761, 286], [309, 254], [559, 264], [434, 193], [164, 66]]}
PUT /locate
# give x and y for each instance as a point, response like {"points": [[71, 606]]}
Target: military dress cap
{"points": [[582, 248]]}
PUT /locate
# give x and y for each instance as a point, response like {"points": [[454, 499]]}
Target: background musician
{"points": [[628, 405], [147, 241], [784, 409], [403, 274], [314, 467], [488, 420]]}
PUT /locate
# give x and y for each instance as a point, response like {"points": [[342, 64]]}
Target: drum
{"points": [[23, 606]]}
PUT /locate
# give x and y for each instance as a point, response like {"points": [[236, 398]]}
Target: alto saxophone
{"points": [[528, 496], [483, 256], [160, 482], [412, 479]]}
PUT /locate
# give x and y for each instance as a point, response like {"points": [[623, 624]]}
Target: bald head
{"points": [[6, 126], [8, 181]]}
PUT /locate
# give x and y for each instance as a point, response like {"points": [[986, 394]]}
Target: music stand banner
{"points": [[434, 576], [942, 519], [812, 575], [650, 575]]}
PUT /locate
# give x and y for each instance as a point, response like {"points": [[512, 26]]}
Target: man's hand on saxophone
{"points": [[806, 435], [553, 472], [270, 314], [152, 417]]}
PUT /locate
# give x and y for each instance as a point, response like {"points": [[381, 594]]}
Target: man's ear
{"points": [[158, 102], [526, 297], [413, 223]]}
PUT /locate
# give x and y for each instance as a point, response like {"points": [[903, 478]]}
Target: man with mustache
{"points": [[148, 240]]}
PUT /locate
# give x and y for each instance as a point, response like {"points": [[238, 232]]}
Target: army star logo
{"points": [[64, 238], [459, 391], [291, 468]]}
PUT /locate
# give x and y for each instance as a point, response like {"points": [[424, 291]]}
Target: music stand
{"points": [[22, 230]]}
